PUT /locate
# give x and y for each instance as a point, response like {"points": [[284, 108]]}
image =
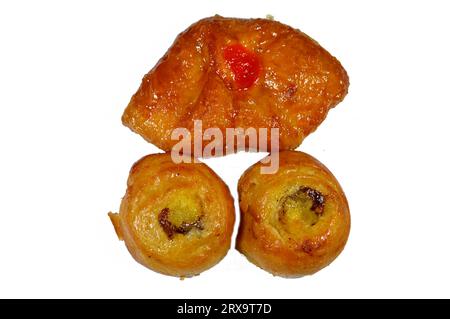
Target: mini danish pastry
{"points": [[176, 219], [293, 222], [238, 73]]}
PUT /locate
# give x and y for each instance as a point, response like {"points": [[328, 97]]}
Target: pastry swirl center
{"points": [[171, 228], [305, 203]]}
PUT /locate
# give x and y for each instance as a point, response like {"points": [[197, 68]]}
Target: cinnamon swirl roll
{"points": [[176, 219], [293, 222]]}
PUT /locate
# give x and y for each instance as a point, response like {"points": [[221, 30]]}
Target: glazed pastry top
{"points": [[238, 73]]}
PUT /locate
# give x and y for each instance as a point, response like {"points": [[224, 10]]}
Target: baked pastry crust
{"points": [[292, 84], [294, 222], [176, 219]]}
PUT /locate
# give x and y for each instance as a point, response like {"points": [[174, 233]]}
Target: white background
{"points": [[68, 69]]}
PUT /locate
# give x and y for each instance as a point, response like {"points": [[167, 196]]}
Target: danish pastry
{"points": [[294, 222], [176, 219], [238, 73]]}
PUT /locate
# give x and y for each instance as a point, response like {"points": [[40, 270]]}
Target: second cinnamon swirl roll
{"points": [[293, 222]]}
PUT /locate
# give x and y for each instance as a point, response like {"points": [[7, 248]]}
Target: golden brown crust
{"points": [[176, 219], [294, 222], [298, 83]]}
